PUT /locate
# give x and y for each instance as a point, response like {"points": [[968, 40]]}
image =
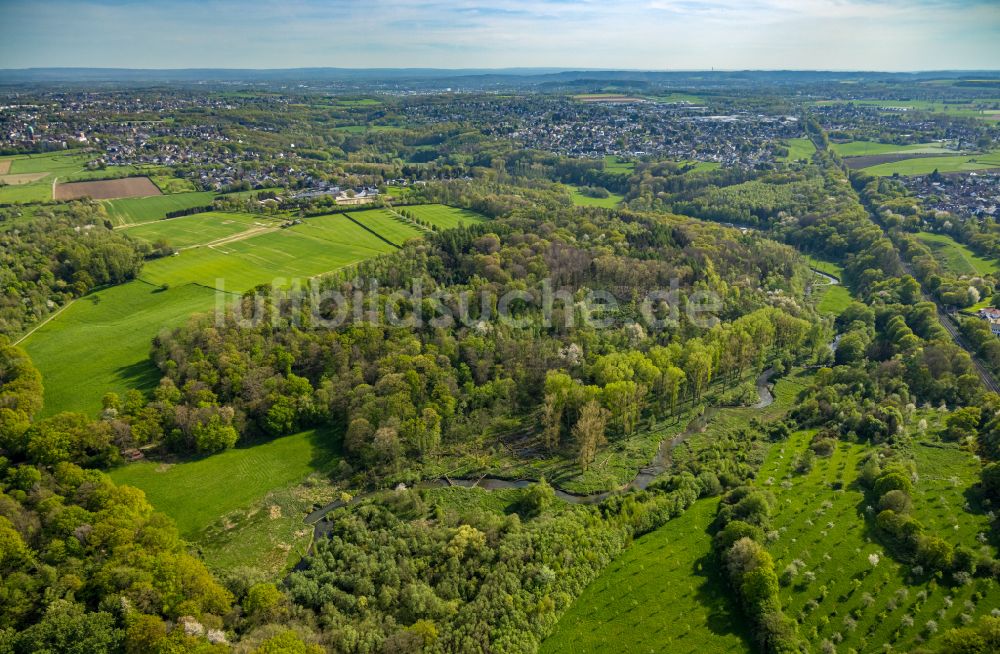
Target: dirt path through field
{"points": [[255, 231]]}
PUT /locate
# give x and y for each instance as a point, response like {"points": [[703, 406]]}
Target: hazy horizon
{"points": [[648, 35]]}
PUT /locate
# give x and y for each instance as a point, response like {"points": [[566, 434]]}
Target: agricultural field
{"points": [[319, 245], [800, 148], [29, 178], [244, 507], [443, 216], [388, 224], [955, 257], [170, 184], [133, 211], [664, 594], [109, 189], [200, 228], [871, 148], [946, 164], [986, 109], [101, 342], [847, 590], [581, 199]]}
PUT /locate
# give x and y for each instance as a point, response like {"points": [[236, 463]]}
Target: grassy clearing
{"points": [[833, 299], [580, 199], [800, 148], [445, 217], [101, 342], [196, 493], [955, 257], [927, 165], [616, 165], [201, 228], [838, 594], [319, 245], [134, 211], [664, 594]]}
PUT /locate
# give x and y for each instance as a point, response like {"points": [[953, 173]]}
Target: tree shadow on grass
{"points": [[326, 442], [142, 375], [724, 615]]}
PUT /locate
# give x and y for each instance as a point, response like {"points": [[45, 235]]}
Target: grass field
{"points": [[55, 164], [664, 594], [955, 257], [445, 217], [170, 184], [615, 165], [319, 245], [986, 108], [200, 228], [867, 148], [800, 148], [582, 200], [101, 342], [838, 594], [833, 298], [927, 165], [134, 211], [197, 493], [388, 225]]}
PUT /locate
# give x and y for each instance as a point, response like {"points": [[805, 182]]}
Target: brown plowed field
{"points": [[109, 189]]}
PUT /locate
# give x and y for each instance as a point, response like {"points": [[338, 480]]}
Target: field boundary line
{"points": [[369, 229], [46, 321]]}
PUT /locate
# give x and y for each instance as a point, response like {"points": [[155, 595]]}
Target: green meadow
{"points": [[53, 165], [868, 148], [200, 228], [389, 225], [318, 245], [443, 216], [133, 211], [955, 257], [800, 148], [581, 199], [665, 593], [195, 493], [243, 507], [616, 165], [170, 184], [833, 298], [101, 342], [927, 165]]}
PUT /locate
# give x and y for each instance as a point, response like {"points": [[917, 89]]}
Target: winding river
{"points": [[657, 466]]}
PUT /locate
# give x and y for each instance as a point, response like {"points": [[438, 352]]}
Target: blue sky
{"points": [[644, 34]]}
